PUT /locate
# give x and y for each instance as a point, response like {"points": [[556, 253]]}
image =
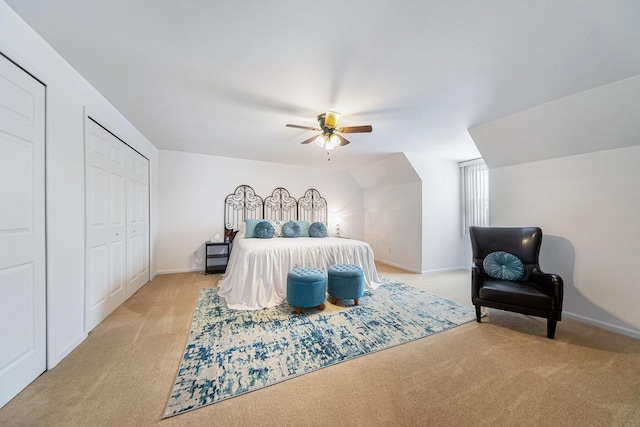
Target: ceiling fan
{"points": [[330, 136]]}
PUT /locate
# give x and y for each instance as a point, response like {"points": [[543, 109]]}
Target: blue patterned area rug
{"points": [[231, 352]]}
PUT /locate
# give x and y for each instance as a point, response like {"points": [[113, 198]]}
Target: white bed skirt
{"points": [[256, 275]]}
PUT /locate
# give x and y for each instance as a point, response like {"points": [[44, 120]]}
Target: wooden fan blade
{"points": [[303, 127], [306, 141], [343, 141], [355, 129]]}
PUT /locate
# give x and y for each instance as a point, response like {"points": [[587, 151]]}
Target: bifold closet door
{"points": [[22, 230], [137, 222], [105, 223], [117, 222]]}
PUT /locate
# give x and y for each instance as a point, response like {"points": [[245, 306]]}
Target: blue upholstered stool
{"points": [[306, 287], [346, 281]]}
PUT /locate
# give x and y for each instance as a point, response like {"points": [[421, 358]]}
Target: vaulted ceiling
{"points": [[224, 77]]}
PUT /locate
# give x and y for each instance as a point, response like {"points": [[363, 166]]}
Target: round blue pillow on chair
{"points": [[291, 229], [264, 230], [317, 229], [503, 265]]}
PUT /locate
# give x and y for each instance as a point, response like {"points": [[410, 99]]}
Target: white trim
{"points": [[181, 270], [54, 359], [448, 270], [413, 270], [604, 325], [471, 162], [393, 264]]}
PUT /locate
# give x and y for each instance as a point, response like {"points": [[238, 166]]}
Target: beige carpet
{"points": [[501, 372]]}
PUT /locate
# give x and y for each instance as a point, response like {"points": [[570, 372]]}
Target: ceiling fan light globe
{"points": [[320, 140], [332, 142], [331, 119]]}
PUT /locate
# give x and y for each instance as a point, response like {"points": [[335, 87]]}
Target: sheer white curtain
{"points": [[474, 177]]}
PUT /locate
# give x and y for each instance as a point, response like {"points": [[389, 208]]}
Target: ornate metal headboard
{"points": [[312, 207], [280, 206], [242, 203]]}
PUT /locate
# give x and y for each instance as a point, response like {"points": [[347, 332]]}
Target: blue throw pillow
{"points": [[317, 229], [304, 228], [503, 265], [290, 229], [264, 230]]}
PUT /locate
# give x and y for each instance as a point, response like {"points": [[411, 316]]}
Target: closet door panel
{"points": [[105, 224], [137, 222], [22, 230], [143, 199], [132, 225]]}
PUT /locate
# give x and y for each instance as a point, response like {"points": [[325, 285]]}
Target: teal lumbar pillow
{"points": [[264, 230], [251, 227], [317, 229], [290, 229], [503, 265], [304, 228]]}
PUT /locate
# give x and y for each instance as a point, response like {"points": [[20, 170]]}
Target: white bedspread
{"points": [[256, 275]]}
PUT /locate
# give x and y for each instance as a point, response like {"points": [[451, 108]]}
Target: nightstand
{"points": [[216, 257]]}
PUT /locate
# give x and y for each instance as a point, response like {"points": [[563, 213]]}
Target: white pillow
{"points": [[242, 230]]}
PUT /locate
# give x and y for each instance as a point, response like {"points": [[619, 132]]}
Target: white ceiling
{"points": [[224, 77]]}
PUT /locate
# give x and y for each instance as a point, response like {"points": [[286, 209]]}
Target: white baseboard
{"points": [[54, 359], [413, 270], [604, 325], [393, 264], [181, 270], [446, 270]]}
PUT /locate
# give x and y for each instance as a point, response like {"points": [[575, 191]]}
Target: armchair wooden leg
{"points": [[551, 328], [478, 313]]}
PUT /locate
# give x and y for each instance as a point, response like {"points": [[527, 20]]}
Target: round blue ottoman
{"points": [[306, 287], [346, 281]]}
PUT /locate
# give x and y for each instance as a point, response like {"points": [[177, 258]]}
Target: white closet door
{"points": [[106, 171], [137, 222], [22, 230]]}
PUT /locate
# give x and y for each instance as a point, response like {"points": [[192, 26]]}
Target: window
{"points": [[474, 177]]}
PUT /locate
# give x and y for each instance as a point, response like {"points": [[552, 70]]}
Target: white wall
{"points": [[411, 223], [412, 213], [587, 202], [393, 211], [194, 186], [603, 118], [588, 207], [443, 245], [68, 94], [393, 224]]}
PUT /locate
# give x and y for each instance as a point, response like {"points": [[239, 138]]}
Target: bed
{"points": [[256, 274]]}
